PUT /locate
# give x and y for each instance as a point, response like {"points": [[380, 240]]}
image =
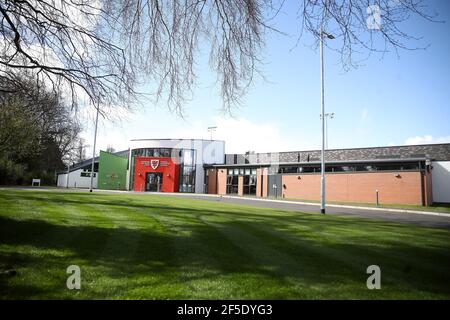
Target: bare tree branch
{"points": [[100, 52]]}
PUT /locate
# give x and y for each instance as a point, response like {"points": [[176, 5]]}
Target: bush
{"points": [[12, 173]]}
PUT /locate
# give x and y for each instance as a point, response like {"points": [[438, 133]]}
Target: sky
{"points": [[389, 100]]}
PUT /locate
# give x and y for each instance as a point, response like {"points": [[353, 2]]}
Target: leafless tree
{"points": [[81, 150], [104, 50], [110, 148]]}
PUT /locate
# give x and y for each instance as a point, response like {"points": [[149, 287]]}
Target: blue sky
{"points": [[387, 101]]}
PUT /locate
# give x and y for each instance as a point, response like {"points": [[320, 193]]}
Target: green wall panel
{"points": [[112, 172]]}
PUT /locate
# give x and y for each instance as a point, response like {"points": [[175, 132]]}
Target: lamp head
{"points": [[329, 36]]}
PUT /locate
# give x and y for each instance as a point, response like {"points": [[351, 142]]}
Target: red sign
{"points": [[154, 163], [169, 178]]}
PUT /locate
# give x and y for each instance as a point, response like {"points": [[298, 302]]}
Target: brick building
{"points": [[416, 175]]}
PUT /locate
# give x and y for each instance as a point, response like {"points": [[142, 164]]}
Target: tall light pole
{"points": [[93, 152], [68, 172], [322, 161]]}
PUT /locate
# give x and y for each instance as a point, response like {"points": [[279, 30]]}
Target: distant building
{"points": [[416, 175], [159, 165]]}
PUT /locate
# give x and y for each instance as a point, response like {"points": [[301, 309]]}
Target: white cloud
{"points": [[242, 135], [426, 139], [108, 133]]}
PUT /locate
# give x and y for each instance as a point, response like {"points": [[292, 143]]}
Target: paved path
{"points": [[441, 221]]}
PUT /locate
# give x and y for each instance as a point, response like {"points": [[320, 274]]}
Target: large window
{"points": [[187, 171], [156, 152], [290, 169], [232, 184], [352, 167], [250, 182]]}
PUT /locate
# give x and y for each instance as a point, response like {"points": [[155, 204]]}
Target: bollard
{"points": [[376, 191]]}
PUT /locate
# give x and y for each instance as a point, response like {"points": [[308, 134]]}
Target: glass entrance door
{"points": [[153, 181]]}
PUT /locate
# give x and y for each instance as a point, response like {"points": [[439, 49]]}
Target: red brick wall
{"points": [[221, 181], [240, 186], [212, 181], [258, 182], [357, 187], [264, 182]]}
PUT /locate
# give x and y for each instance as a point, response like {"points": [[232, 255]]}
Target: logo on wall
{"points": [[154, 163]]}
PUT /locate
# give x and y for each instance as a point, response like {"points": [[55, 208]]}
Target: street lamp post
{"points": [[68, 172], [322, 161], [93, 152]]}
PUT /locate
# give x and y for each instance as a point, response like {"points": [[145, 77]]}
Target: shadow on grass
{"points": [[60, 198], [207, 250]]}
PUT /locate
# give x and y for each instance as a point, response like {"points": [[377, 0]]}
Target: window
{"points": [[156, 152], [388, 167], [187, 176], [289, 170], [310, 169], [339, 168], [249, 181], [149, 153], [249, 185], [412, 166], [205, 181], [87, 174], [165, 152], [232, 184]]}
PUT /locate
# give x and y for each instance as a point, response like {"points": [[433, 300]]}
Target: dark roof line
{"points": [[166, 139], [359, 148], [265, 164]]}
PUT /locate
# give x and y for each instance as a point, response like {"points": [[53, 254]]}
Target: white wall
{"points": [[441, 181], [62, 179], [76, 180]]}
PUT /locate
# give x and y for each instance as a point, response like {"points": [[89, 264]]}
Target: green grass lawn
{"points": [[160, 247]]}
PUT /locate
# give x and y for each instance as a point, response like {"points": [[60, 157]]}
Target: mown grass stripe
{"points": [[137, 246]]}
